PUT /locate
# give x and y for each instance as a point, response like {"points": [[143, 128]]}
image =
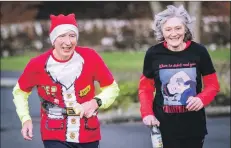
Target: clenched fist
{"points": [[89, 108]]}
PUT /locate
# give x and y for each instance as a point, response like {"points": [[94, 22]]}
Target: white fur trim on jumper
{"points": [[61, 29]]}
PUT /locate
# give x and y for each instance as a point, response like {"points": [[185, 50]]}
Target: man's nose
{"points": [[67, 40]]}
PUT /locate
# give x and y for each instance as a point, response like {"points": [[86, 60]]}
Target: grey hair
{"points": [[170, 12]]}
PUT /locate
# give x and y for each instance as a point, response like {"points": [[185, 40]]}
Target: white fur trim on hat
{"points": [[61, 29]]}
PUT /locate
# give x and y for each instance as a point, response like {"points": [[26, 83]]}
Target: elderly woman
{"points": [[174, 69]]}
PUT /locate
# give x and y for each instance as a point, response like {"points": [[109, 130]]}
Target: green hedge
{"points": [[128, 94]]}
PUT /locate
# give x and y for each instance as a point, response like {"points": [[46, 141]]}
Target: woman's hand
{"points": [[151, 120], [194, 104]]}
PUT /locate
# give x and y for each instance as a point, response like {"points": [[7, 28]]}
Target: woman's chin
{"points": [[175, 45]]}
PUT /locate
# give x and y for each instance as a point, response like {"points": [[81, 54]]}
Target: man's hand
{"points": [[89, 108], [26, 131], [79, 110], [151, 120], [194, 104]]}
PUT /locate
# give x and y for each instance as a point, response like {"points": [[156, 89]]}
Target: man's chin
{"points": [[67, 53]]}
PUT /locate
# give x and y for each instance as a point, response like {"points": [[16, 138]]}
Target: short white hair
{"points": [[171, 12]]}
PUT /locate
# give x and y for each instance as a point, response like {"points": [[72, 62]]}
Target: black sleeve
{"points": [[206, 65], [147, 67]]}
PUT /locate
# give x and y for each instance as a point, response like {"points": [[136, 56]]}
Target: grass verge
{"points": [[116, 61]]}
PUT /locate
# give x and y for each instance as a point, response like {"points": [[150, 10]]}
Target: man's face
{"points": [[65, 44]]}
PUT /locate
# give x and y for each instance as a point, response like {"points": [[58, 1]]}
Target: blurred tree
{"points": [[96, 9], [195, 11], [12, 12], [178, 3], [216, 8], [156, 7]]}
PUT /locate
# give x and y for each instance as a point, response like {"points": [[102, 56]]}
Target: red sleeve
{"points": [[102, 73], [27, 80], [211, 88], [146, 96]]}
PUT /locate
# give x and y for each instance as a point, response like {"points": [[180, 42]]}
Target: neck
{"points": [[177, 48]]}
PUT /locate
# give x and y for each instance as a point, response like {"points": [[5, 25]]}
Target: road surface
{"points": [[122, 135]]}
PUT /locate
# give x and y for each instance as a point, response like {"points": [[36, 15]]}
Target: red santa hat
{"points": [[62, 24]]}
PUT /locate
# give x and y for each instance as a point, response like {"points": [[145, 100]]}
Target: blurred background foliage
{"points": [[120, 31]]}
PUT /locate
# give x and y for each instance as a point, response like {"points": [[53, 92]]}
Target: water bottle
{"points": [[156, 137]]}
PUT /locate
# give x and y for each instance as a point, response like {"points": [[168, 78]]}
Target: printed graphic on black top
{"points": [[177, 86]]}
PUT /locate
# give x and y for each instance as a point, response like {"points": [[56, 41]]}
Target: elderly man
{"points": [[64, 77]]}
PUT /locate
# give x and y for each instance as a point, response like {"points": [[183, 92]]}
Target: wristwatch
{"points": [[99, 101]]}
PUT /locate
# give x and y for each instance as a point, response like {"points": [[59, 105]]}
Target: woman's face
{"points": [[65, 44], [173, 31]]}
